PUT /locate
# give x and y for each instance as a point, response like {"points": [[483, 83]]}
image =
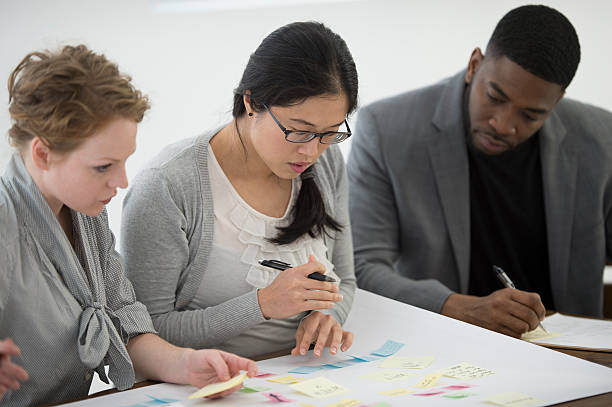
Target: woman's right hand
{"points": [[293, 292], [10, 373]]}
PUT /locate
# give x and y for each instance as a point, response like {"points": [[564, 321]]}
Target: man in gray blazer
{"points": [[488, 167]]}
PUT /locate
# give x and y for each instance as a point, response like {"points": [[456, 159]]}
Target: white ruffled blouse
{"points": [[239, 243]]}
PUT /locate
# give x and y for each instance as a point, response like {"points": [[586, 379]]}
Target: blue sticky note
{"points": [[305, 369], [388, 349], [159, 402], [336, 365], [361, 359], [330, 366]]}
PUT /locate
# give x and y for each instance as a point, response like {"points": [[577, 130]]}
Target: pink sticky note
{"points": [[264, 375], [429, 393], [457, 387], [277, 398]]}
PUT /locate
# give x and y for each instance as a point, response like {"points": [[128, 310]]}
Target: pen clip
{"points": [[503, 277]]}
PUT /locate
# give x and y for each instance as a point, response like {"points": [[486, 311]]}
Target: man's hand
{"points": [[509, 311]]}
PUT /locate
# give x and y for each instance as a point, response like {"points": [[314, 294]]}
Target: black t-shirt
{"points": [[507, 221]]}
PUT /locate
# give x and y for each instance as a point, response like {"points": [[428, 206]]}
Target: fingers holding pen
{"points": [[292, 292], [533, 303]]}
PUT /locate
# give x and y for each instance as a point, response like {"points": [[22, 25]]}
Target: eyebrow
{"points": [[502, 94], [307, 123], [114, 160]]}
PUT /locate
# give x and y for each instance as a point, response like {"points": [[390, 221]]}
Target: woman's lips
{"points": [[106, 201], [299, 167]]}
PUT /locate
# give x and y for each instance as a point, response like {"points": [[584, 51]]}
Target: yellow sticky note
{"points": [[344, 403], [513, 399], [319, 388], [396, 392], [286, 379], [400, 362], [429, 381], [389, 376], [306, 405], [538, 334], [466, 371], [219, 387]]}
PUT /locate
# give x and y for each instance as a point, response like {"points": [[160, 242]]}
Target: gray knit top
{"points": [[70, 311], [167, 234]]}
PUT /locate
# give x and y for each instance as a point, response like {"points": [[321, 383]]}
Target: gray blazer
{"points": [[409, 198]]}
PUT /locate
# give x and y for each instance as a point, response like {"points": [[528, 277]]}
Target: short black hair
{"points": [[541, 40]]}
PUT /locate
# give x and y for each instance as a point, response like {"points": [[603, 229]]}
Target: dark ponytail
{"points": [[309, 213], [295, 62]]}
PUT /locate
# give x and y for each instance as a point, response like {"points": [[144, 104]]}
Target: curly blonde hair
{"points": [[64, 97]]}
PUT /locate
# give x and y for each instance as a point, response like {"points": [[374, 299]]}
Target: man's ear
{"points": [[40, 153], [473, 65]]}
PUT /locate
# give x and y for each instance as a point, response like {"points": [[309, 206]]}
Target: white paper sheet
{"points": [[578, 333], [518, 366]]}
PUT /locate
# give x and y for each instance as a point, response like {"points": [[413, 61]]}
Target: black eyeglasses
{"points": [[300, 136]]}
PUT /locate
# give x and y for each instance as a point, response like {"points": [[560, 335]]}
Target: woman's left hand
{"points": [[325, 331], [208, 366]]}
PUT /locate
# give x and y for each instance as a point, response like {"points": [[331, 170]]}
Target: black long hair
{"points": [[295, 62]]}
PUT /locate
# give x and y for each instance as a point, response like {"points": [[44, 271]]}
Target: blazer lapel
{"points": [[559, 183], [448, 155]]}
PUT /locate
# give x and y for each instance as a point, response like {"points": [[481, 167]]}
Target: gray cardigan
{"points": [[167, 234]]}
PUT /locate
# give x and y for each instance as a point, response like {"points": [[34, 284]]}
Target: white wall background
{"points": [[189, 62]]}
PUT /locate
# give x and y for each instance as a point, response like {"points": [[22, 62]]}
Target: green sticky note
{"points": [[253, 389], [459, 395]]}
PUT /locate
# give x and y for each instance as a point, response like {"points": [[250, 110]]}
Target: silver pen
{"points": [[503, 277]]}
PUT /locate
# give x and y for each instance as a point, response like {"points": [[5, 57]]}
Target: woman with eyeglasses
{"points": [[270, 185]]}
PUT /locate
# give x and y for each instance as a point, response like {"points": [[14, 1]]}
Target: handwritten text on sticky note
{"points": [[429, 381], [400, 362], [389, 376], [466, 371], [319, 387], [513, 400]]}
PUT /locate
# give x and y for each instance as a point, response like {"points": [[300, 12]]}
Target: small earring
{"points": [[250, 114]]}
